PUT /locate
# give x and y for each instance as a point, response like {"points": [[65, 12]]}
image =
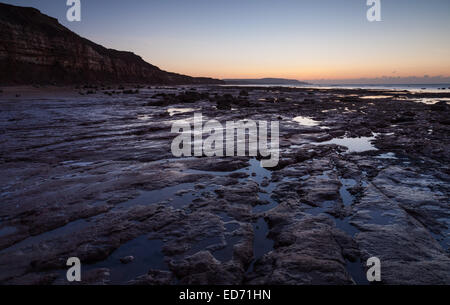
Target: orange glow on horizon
{"points": [[313, 69]]}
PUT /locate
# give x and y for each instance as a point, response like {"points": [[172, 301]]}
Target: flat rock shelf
{"points": [[362, 173]]}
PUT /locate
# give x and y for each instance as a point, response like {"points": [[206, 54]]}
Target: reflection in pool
{"points": [[358, 145], [175, 111], [306, 121], [147, 255]]}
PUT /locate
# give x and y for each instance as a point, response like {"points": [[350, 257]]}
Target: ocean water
{"points": [[432, 88], [409, 87]]}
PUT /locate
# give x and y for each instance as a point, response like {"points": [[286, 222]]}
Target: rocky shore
{"points": [[89, 173]]}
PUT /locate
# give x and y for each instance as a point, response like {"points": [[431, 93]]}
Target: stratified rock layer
{"points": [[36, 49]]}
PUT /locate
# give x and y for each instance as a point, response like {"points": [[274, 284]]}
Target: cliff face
{"points": [[36, 49]]}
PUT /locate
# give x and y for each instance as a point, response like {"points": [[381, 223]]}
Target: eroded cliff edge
{"points": [[37, 49]]}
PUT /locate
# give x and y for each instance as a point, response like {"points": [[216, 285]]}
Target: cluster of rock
{"points": [[98, 181]]}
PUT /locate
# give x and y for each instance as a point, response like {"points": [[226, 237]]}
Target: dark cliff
{"points": [[37, 49]]}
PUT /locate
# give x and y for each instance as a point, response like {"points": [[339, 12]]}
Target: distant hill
{"points": [[264, 81], [37, 49]]}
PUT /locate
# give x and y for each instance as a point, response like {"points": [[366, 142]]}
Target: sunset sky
{"points": [[305, 40]]}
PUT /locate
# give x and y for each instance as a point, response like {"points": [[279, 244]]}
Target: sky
{"points": [[313, 40]]}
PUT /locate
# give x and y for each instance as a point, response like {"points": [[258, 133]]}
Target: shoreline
{"points": [[30, 91]]}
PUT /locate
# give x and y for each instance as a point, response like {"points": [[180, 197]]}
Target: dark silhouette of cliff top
{"points": [[37, 49]]}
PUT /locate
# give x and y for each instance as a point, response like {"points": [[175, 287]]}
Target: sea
{"points": [[432, 88]]}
